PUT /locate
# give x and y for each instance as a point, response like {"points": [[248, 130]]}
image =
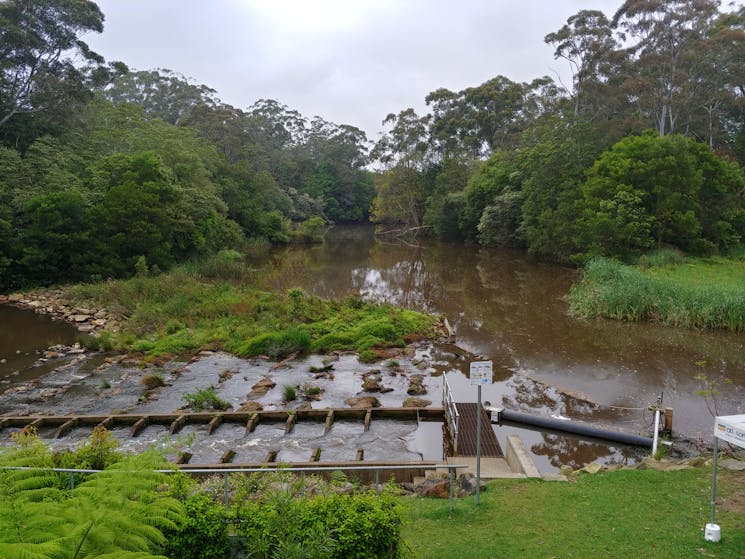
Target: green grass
{"points": [[186, 310], [706, 294], [629, 513]]}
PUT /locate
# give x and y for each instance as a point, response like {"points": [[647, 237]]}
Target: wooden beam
{"points": [[139, 425], [329, 422], [368, 419], [291, 419], [360, 456], [214, 424], [178, 424], [106, 423], [315, 456], [66, 427], [271, 456], [253, 421], [184, 457], [228, 456]]}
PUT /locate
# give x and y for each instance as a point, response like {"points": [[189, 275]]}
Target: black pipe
{"points": [[572, 427]]}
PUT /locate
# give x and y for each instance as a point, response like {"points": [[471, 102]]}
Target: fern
{"points": [[115, 514]]}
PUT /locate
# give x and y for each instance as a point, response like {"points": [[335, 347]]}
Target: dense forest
{"points": [[107, 171]]}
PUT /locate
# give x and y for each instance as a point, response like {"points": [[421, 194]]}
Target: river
{"points": [[512, 310]]}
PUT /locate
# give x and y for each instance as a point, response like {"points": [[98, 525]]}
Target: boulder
{"points": [[363, 402], [414, 402], [262, 387]]}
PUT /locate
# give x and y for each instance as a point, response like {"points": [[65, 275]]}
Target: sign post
{"points": [[730, 428], [480, 374]]}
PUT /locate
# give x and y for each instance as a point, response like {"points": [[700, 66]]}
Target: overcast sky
{"points": [[348, 61]]}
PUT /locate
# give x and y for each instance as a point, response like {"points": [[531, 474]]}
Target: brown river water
{"points": [[507, 308]]}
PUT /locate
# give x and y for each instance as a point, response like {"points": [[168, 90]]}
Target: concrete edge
{"points": [[519, 459]]}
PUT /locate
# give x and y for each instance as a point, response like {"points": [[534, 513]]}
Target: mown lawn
{"points": [[624, 514]]}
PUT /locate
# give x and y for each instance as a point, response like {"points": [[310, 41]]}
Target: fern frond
{"points": [[26, 550]]}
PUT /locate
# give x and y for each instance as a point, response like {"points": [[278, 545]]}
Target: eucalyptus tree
{"points": [[41, 51], [405, 152], [666, 40], [162, 93], [477, 120], [587, 43]]}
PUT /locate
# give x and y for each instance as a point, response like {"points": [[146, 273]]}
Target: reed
{"points": [[690, 294]]}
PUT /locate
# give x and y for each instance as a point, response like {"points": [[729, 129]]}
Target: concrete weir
{"points": [[494, 464]]}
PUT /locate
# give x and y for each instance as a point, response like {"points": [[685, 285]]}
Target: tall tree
{"points": [[669, 36], [161, 93], [39, 43], [586, 41]]}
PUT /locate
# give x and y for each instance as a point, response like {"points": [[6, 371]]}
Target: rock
{"points": [[732, 465], [416, 386], [251, 406], [99, 322], [100, 314], [593, 468], [53, 354], [439, 488], [82, 310], [414, 402], [566, 470], [262, 387], [363, 402], [371, 384], [15, 298], [81, 317], [86, 328]]}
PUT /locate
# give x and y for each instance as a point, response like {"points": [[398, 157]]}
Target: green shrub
{"points": [[280, 523], [202, 533], [205, 398]]}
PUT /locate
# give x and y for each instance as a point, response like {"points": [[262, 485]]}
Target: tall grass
{"points": [[706, 295]]}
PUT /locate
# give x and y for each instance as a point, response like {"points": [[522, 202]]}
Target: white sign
{"points": [[730, 428], [481, 373]]}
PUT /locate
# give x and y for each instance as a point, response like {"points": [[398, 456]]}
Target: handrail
{"points": [[451, 411], [452, 468]]}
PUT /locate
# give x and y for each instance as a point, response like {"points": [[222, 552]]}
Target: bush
{"points": [[203, 532], [281, 523]]}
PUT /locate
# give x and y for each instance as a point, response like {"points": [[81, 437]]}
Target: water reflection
{"points": [[512, 309]]}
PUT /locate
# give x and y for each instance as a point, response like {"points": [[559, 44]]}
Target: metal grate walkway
{"points": [[466, 443]]}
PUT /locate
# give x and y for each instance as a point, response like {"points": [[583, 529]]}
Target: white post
{"points": [[656, 432], [478, 446]]}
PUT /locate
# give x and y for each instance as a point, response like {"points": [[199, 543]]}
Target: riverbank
{"points": [[690, 293], [188, 310]]}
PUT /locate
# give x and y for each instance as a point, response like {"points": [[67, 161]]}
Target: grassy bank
{"points": [[209, 306], [634, 513], [690, 294]]}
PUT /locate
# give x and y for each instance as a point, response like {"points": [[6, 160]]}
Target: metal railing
{"points": [[376, 469], [451, 411]]}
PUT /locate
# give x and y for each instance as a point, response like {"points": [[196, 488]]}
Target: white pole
{"points": [[478, 446], [714, 481], [656, 431]]}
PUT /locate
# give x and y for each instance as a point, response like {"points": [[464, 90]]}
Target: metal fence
{"points": [[225, 472]]}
